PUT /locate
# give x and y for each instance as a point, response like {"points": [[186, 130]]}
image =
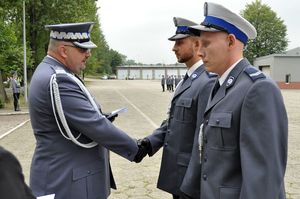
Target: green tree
{"points": [[11, 41], [116, 60], [41, 12], [38, 14], [11, 54], [130, 62], [271, 31]]}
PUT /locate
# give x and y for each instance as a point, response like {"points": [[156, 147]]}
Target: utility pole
{"points": [[24, 47]]}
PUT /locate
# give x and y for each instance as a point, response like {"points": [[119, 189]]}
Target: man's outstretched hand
{"points": [[144, 147]]}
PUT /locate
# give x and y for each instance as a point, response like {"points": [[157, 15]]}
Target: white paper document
{"points": [[51, 196], [115, 112]]}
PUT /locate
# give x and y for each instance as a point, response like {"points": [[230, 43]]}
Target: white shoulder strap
{"points": [[58, 110]]}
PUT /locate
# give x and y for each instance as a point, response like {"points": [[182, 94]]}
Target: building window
{"points": [[288, 78]]}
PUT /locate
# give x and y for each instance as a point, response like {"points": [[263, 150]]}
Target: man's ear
{"points": [[62, 51], [196, 43], [231, 40]]}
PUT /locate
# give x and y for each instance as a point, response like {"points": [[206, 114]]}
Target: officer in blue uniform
{"points": [[177, 134], [163, 83], [15, 84], [73, 137], [243, 141]]}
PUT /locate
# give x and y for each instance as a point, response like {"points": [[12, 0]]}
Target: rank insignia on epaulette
{"points": [[254, 73]]}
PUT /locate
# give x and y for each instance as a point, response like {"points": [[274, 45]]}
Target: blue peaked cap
{"points": [[219, 18], [182, 29]]}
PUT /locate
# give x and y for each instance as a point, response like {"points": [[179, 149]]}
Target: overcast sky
{"points": [[140, 29]]}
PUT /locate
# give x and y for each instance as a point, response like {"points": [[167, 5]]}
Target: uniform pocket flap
{"points": [[229, 193], [185, 102], [86, 170], [183, 159], [220, 120]]}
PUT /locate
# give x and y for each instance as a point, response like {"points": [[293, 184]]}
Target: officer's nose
{"points": [[201, 52], [88, 53], [174, 48]]}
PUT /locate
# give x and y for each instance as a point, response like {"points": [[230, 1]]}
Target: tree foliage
{"points": [[271, 31], [11, 43], [38, 14]]}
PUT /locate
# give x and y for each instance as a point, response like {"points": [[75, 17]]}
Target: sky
{"points": [[140, 29]]}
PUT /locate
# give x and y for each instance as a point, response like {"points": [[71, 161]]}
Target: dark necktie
{"points": [[185, 78], [215, 89]]}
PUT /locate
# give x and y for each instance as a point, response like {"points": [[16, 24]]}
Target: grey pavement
{"points": [[147, 107]]}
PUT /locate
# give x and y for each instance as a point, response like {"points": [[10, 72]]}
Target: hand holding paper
{"points": [[116, 112]]}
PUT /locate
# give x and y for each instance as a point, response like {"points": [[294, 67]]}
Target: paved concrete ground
{"points": [[147, 107]]}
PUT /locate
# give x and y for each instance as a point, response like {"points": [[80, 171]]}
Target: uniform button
{"points": [[168, 131], [218, 121], [206, 121], [205, 177], [88, 172], [205, 158], [166, 144]]}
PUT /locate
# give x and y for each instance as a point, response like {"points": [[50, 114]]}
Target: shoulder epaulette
{"points": [[254, 73]]}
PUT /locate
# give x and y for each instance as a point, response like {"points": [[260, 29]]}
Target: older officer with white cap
{"points": [[243, 140], [177, 134], [73, 136]]}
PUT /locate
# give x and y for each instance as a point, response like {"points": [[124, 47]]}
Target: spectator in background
{"points": [[163, 82], [177, 80], [15, 84]]}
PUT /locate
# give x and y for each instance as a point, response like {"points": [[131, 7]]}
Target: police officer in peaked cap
{"points": [[73, 136], [243, 140], [177, 134]]}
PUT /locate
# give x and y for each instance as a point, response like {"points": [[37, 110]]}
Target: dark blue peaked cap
{"points": [[77, 33]]}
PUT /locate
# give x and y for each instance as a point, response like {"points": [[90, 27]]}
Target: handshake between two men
{"points": [[144, 149], [144, 144]]}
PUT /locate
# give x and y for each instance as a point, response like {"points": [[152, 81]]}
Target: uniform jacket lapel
{"points": [[188, 82], [229, 82]]}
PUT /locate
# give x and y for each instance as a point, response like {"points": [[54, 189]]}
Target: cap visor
{"points": [[178, 36], [204, 28], [88, 44]]}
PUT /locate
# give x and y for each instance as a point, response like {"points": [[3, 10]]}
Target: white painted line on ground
{"points": [[14, 113], [13, 129], [138, 110]]}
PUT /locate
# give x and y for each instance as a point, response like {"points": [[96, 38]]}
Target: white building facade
{"points": [[150, 72]]}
